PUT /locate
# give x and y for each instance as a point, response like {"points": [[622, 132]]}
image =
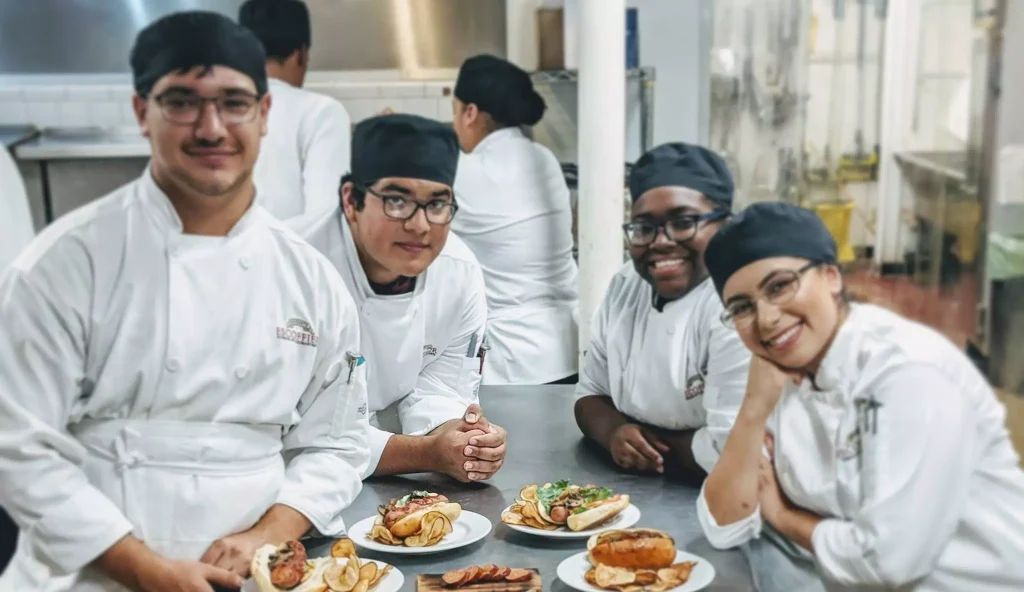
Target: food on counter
{"points": [[634, 560], [285, 567], [561, 504], [485, 573], [420, 519]]}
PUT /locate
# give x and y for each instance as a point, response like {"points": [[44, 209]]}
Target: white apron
{"points": [[182, 485]]}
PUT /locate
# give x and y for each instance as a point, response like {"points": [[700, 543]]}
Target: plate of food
{"points": [[417, 523], [482, 578], [285, 568], [564, 510], [635, 560]]}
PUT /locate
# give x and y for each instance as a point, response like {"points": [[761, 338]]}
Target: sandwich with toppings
{"points": [[562, 504], [419, 519]]}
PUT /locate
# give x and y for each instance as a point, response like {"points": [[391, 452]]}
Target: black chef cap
{"points": [[281, 25], [501, 89], [764, 230], [184, 40], [678, 164], [403, 145]]}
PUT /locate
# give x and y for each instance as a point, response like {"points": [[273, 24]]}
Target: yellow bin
{"points": [[836, 217]]}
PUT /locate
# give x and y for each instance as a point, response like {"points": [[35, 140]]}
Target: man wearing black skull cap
{"points": [[421, 299], [166, 347], [663, 377]]}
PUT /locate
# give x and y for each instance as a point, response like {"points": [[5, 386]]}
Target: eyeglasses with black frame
{"points": [[777, 289], [679, 228], [438, 211], [184, 108]]}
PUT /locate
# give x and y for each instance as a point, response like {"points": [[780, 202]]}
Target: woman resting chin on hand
{"points": [[867, 439]]}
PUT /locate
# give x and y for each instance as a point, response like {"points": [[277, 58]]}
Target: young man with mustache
{"points": [[421, 299], [663, 376]]}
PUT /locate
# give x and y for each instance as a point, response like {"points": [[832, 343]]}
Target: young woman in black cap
{"points": [[868, 440], [515, 214]]}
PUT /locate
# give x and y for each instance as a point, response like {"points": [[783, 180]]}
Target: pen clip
{"points": [[354, 359]]}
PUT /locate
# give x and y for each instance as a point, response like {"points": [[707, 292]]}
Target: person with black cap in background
{"points": [[869, 441], [662, 378], [421, 300], [306, 149], [515, 214], [167, 346]]}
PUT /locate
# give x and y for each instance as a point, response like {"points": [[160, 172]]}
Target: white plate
{"points": [[468, 529], [624, 519], [573, 572], [389, 583]]}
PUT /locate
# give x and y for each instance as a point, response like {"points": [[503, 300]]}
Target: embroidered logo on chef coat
{"points": [[362, 409], [429, 350], [298, 331], [694, 386], [851, 448]]}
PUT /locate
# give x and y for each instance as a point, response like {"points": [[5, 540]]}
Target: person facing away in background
{"points": [[306, 149], [515, 214], [421, 300], [170, 393], [870, 442]]}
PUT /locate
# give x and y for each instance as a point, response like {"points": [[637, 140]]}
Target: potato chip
{"points": [[380, 574], [362, 586], [383, 535], [341, 577], [684, 569], [512, 517], [368, 571], [437, 530], [590, 577], [343, 548], [646, 577], [529, 493], [608, 577]]}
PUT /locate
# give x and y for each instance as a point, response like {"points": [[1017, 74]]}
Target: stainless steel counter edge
{"points": [[46, 148]]}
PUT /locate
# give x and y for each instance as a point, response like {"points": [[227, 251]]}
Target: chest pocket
{"points": [[849, 459]]}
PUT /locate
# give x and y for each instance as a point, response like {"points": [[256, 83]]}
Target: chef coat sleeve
{"points": [[727, 536], [328, 449], [724, 387], [450, 383], [44, 313], [326, 156], [917, 460], [594, 379]]}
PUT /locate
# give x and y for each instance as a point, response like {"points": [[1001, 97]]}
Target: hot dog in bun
{"points": [[561, 504], [402, 516], [633, 547], [279, 568]]}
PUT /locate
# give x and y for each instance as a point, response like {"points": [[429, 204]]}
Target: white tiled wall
{"points": [[45, 103]]}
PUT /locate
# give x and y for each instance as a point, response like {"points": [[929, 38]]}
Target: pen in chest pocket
{"points": [[471, 351], [354, 359]]}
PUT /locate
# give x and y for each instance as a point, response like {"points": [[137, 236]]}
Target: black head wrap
{"points": [[281, 25], [403, 145], [764, 230], [185, 40], [678, 164], [501, 89]]}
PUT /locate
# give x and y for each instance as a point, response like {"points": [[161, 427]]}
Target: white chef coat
{"points": [[16, 228], [514, 213], [306, 151], [678, 369], [419, 343], [150, 381], [905, 452]]}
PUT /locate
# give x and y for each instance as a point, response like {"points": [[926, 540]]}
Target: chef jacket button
{"points": [[241, 371], [173, 365], [245, 262]]}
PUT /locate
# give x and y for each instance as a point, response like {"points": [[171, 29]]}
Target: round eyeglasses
{"points": [[438, 211], [682, 228], [777, 289], [182, 108]]}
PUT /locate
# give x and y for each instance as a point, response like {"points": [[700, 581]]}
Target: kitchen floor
{"points": [[950, 310]]}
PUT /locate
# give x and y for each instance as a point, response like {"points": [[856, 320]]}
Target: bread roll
{"points": [[643, 548], [598, 515], [410, 525], [260, 566]]}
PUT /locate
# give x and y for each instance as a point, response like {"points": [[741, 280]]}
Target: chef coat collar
{"points": [[362, 290], [496, 137], [836, 372], [166, 216]]}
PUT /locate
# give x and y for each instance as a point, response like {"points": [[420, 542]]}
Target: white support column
{"points": [[900, 59], [602, 150]]}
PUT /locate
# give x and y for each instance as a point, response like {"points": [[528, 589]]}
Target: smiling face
{"points": [[794, 333], [672, 268], [214, 156], [388, 247]]}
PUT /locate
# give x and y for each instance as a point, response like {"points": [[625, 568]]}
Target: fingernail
{"points": [[474, 476], [469, 451], [471, 417], [474, 441], [467, 466]]}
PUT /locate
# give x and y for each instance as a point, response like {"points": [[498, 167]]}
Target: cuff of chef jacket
{"points": [[378, 441], [730, 535], [704, 450], [76, 532]]}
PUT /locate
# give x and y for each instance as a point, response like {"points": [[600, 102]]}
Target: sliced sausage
{"points": [[502, 574], [519, 575], [453, 578]]}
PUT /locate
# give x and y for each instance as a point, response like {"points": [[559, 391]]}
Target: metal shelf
{"points": [[555, 76]]}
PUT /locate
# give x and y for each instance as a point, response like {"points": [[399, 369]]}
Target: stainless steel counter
{"points": [[11, 136], [84, 144], [544, 445]]}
